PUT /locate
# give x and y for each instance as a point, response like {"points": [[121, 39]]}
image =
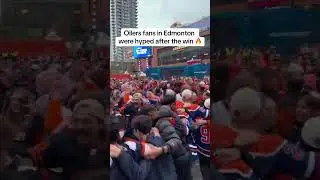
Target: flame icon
{"points": [[198, 41]]}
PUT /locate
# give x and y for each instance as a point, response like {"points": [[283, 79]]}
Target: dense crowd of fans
{"points": [[161, 125], [53, 118], [265, 115], [59, 115], [58, 119]]}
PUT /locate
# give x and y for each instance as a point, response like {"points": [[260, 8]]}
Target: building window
{"points": [[169, 56]]}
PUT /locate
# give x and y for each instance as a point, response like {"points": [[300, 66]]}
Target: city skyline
{"points": [[123, 14], [163, 13]]}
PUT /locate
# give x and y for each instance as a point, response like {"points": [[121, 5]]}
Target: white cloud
{"points": [[162, 13]]}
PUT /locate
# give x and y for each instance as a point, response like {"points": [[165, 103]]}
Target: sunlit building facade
{"points": [[167, 56]]}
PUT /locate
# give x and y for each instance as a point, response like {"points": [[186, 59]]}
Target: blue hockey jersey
{"points": [[202, 140], [201, 112], [201, 135], [271, 155]]}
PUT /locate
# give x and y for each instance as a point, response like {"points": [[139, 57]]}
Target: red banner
{"points": [[121, 76], [194, 61], [33, 47], [258, 4]]}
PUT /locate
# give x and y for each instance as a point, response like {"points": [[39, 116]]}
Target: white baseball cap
{"points": [[170, 92], [310, 132], [207, 103], [245, 103], [187, 93]]}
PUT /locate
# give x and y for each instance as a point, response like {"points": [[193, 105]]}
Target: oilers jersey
{"points": [[187, 116], [202, 141], [200, 112], [269, 156], [186, 119], [201, 135]]}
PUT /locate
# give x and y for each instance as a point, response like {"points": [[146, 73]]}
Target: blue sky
{"points": [[162, 13]]}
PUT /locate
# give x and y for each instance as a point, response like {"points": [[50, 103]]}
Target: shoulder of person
{"points": [[163, 123], [218, 105], [130, 145], [269, 145], [133, 146], [225, 136], [156, 140]]}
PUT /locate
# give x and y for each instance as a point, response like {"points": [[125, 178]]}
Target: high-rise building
{"points": [[70, 19], [123, 14], [95, 16]]}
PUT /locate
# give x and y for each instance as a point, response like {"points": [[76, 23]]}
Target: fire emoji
{"points": [[198, 41]]}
